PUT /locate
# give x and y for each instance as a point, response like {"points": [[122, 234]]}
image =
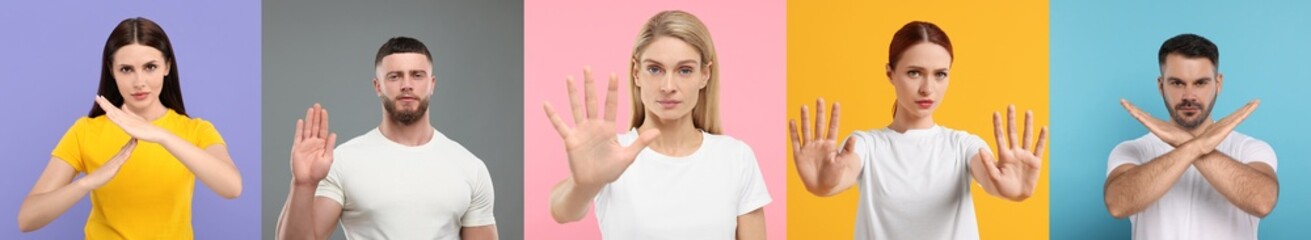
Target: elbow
{"points": [[232, 193], [1263, 208], [1118, 211], [25, 222], [560, 218], [25, 227]]}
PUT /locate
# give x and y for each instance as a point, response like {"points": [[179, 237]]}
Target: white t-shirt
{"points": [[392, 191], [698, 196], [916, 185], [1192, 209]]}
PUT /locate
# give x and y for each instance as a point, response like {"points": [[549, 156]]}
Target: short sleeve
{"points": [[753, 193], [205, 135], [1254, 150], [1125, 153], [69, 148], [862, 147], [971, 144], [330, 187], [483, 199]]}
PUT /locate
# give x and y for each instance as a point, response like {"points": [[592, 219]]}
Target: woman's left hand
{"points": [[1015, 173], [134, 125]]}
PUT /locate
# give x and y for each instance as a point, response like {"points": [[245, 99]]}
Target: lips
{"points": [[924, 104], [667, 104], [140, 95], [407, 98]]}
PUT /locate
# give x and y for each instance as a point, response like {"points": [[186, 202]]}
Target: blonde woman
{"points": [[914, 175], [673, 176]]}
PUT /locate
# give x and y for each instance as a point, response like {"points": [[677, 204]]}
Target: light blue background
{"points": [[1102, 51]]}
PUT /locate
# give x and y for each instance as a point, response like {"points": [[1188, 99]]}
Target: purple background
{"points": [[49, 67]]}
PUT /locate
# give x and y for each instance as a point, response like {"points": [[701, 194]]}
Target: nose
{"points": [[138, 81], [926, 87], [667, 85]]}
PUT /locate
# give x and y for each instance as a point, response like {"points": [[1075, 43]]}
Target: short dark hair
{"points": [[401, 44], [1190, 46], [145, 32]]}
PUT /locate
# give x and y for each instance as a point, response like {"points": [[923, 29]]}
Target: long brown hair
{"points": [[686, 27], [912, 33], [145, 32]]}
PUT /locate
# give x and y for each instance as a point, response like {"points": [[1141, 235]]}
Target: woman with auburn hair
{"points": [[914, 175], [674, 175], [139, 150]]}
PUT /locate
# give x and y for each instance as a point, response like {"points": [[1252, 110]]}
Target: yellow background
{"points": [[838, 49]]}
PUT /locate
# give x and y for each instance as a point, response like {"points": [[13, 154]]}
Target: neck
{"points": [[678, 137], [903, 121], [415, 134], [150, 113]]}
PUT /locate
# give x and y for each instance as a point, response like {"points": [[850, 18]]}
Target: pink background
{"points": [[561, 38]]}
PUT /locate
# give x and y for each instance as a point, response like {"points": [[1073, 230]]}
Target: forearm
{"points": [[41, 209], [1253, 191], [1132, 191], [751, 226], [220, 175], [297, 219], [569, 201]]}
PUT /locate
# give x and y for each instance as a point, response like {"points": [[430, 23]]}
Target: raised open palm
{"points": [[1175, 136], [818, 159], [1015, 170], [311, 149], [595, 156]]}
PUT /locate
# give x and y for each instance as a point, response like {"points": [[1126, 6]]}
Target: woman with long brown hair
{"points": [[914, 175], [139, 150]]}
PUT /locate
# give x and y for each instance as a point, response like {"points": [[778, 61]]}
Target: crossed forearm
{"points": [[1133, 190], [1251, 190], [219, 175]]}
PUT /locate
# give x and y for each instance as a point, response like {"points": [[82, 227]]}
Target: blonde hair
{"points": [[686, 27]]}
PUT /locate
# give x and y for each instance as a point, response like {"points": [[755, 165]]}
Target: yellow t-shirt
{"points": [[150, 197]]}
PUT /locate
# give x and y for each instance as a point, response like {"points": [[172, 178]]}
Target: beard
{"points": [[404, 117], [1198, 119]]}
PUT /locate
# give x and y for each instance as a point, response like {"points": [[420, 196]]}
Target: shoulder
{"points": [[447, 145], [1137, 143], [961, 136]]}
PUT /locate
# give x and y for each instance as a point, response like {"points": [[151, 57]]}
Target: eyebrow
{"points": [[919, 67], [1206, 79], [689, 61]]}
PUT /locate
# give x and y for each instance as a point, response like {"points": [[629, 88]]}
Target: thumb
{"points": [[850, 146], [644, 139], [989, 162]]}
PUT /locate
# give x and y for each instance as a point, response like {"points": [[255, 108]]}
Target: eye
{"points": [[393, 77], [125, 69], [418, 75], [685, 71], [941, 75], [913, 73], [653, 70], [1177, 83], [150, 67]]}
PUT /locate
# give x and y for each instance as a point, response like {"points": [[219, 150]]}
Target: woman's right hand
{"points": [[107, 172], [595, 156], [824, 168]]}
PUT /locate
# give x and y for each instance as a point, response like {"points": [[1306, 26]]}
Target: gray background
{"points": [[323, 52]]}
